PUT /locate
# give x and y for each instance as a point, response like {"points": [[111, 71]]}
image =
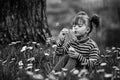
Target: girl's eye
{"points": [[77, 25], [80, 25]]}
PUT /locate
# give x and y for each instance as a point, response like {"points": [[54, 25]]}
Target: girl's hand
{"points": [[72, 53]]}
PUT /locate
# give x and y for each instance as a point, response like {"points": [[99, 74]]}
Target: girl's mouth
{"points": [[75, 32]]}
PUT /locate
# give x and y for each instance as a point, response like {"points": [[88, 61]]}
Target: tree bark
{"points": [[23, 20]]}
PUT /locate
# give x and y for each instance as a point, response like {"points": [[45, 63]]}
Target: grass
{"points": [[33, 61], [17, 58]]}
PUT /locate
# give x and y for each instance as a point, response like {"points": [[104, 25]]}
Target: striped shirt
{"points": [[87, 49]]}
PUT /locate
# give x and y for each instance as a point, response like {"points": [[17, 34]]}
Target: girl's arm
{"points": [[93, 58]]}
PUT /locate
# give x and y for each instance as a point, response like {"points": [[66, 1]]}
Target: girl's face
{"points": [[80, 28]]}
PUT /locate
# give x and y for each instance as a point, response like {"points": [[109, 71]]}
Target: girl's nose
{"points": [[76, 27]]}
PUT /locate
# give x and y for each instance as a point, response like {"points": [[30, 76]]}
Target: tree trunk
{"points": [[23, 20]]}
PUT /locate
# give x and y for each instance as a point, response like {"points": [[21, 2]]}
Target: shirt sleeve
{"points": [[60, 42], [61, 48], [93, 58], [64, 48]]}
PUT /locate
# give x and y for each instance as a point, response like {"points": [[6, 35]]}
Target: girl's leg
{"points": [[70, 64], [65, 62], [61, 63]]}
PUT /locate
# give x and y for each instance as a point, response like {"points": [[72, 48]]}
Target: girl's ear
{"points": [[88, 29]]}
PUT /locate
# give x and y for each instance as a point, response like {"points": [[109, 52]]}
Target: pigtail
{"points": [[94, 22]]}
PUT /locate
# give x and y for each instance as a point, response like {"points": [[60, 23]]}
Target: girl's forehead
{"points": [[80, 20]]}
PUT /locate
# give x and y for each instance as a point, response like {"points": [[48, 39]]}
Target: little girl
{"points": [[80, 50]]}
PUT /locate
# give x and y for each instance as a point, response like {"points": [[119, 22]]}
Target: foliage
{"points": [[18, 58], [33, 61]]}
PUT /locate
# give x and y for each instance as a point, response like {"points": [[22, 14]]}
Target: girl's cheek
{"points": [[73, 29], [82, 29]]}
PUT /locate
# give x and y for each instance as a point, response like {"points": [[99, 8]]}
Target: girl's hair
{"points": [[92, 21]]}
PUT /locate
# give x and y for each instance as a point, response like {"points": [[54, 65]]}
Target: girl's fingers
{"points": [[71, 55], [71, 52]]}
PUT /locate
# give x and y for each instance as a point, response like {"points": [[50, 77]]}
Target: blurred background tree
{"points": [[23, 20], [61, 12], [26, 20]]}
